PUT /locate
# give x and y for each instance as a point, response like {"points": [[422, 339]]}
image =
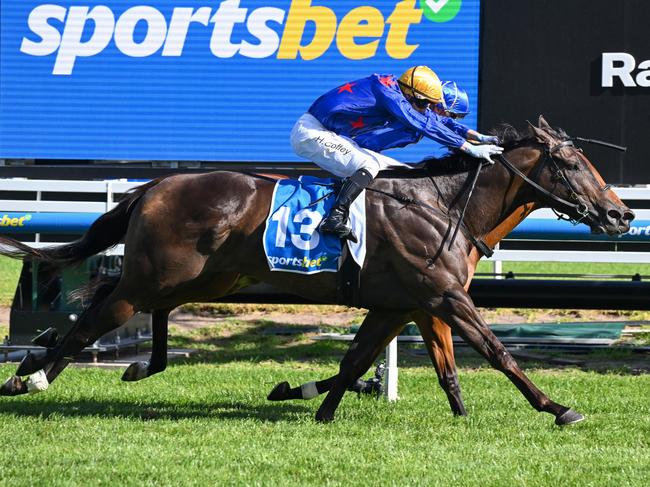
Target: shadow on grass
{"points": [[155, 410], [617, 361]]}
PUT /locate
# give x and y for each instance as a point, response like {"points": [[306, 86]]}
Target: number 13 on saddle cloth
{"points": [[292, 242]]}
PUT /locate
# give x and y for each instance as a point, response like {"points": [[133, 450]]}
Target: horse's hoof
{"points": [[324, 417], [14, 386], [32, 362], [568, 417], [279, 392], [47, 339], [136, 371]]}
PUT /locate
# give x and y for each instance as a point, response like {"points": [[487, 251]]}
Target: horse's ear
{"points": [[543, 124], [541, 135]]}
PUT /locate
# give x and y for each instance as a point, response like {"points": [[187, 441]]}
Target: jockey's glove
{"points": [[487, 139], [482, 151]]}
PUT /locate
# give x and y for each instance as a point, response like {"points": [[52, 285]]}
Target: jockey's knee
{"points": [[372, 167]]}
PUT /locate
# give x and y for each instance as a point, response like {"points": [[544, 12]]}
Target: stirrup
{"points": [[340, 229]]}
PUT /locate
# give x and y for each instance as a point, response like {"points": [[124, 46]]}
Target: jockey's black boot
{"points": [[337, 221]]}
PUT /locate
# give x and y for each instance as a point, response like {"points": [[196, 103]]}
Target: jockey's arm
{"points": [[467, 133], [458, 128], [428, 125]]}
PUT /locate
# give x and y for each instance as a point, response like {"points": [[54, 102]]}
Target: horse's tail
{"points": [[105, 232]]}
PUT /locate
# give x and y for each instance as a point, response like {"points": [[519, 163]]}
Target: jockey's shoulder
{"points": [[386, 80], [380, 76]]}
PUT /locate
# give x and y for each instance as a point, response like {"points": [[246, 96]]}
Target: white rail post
{"points": [[109, 196], [498, 266], [391, 371], [37, 237]]}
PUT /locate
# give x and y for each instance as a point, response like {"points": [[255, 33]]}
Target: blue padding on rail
{"points": [[546, 229], [529, 229], [25, 222]]}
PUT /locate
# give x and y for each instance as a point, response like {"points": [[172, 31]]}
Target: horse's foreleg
{"points": [[376, 331], [459, 311], [437, 338], [158, 361], [309, 390]]}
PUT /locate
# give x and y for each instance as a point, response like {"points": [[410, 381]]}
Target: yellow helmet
{"points": [[422, 83]]}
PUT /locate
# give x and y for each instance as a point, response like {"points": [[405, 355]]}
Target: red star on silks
{"points": [[357, 124], [387, 81], [346, 87]]}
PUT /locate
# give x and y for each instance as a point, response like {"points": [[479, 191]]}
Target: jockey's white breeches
{"points": [[335, 153]]}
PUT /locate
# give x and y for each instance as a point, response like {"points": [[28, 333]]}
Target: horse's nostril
{"points": [[614, 215], [628, 215]]}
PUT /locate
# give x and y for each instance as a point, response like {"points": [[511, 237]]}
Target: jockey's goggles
{"points": [[422, 102]]}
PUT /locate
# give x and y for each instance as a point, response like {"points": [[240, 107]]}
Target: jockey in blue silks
{"points": [[345, 130], [455, 106]]}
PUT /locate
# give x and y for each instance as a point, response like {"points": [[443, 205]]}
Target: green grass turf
{"points": [[210, 424], [585, 268], [9, 273]]}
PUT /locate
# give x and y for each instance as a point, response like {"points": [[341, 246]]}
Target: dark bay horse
{"points": [[192, 237]]}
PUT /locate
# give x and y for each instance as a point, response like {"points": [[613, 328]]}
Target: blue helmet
{"points": [[456, 98]]}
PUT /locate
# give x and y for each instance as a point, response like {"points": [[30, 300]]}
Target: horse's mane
{"points": [[455, 162]]}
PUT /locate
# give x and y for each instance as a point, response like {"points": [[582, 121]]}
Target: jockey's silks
{"points": [[375, 114]]}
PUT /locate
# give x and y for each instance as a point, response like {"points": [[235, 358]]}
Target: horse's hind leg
{"points": [[104, 315], [109, 315], [459, 311], [36, 361], [158, 361], [217, 287], [376, 331], [437, 338]]}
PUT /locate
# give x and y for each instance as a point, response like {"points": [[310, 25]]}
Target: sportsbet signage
{"points": [[168, 39], [206, 80]]}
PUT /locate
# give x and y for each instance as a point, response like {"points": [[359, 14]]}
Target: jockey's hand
{"points": [[487, 139], [482, 151]]}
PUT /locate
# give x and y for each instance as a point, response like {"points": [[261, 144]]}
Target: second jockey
{"points": [[455, 106], [345, 130]]}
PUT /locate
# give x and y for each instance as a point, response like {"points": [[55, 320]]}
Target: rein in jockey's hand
{"points": [[482, 151], [487, 139], [474, 136]]}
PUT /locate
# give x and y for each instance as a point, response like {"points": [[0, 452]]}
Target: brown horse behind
{"points": [[191, 238]]}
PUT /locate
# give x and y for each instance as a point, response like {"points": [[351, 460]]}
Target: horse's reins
{"points": [[580, 208]]}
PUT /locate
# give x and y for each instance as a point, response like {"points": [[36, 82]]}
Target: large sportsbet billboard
{"points": [[207, 80]]}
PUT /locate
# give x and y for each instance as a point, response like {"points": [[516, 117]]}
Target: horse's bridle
{"points": [[558, 174], [575, 203]]}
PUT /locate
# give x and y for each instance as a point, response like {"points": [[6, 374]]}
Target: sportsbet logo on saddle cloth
{"points": [[292, 242]]}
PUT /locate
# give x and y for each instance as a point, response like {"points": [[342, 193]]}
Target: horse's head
{"points": [[565, 171]]}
